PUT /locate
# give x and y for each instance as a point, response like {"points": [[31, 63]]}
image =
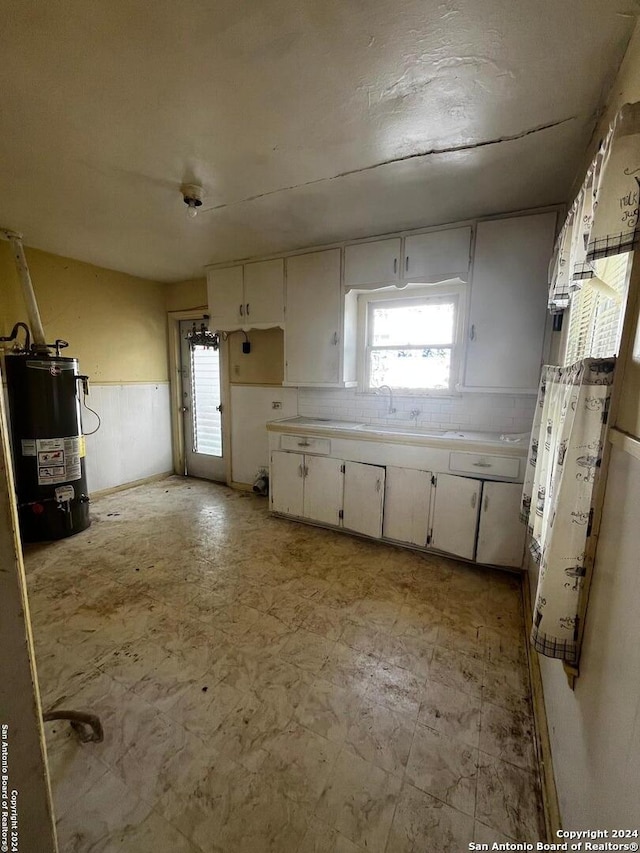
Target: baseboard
{"points": [[552, 819], [241, 487], [131, 485]]}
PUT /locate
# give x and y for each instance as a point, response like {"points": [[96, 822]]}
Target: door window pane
{"points": [[205, 398]]}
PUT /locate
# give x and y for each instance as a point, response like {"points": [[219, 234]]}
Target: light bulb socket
{"points": [[192, 197]]}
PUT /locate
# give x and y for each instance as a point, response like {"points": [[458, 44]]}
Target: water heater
{"points": [[48, 445]]}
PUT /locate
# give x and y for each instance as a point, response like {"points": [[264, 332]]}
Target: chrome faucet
{"points": [[380, 388]]}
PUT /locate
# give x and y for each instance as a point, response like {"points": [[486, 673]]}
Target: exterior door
{"points": [[363, 498], [202, 409], [455, 515], [501, 534]]}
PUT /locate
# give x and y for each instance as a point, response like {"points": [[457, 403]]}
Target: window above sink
{"points": [[411, 343]]}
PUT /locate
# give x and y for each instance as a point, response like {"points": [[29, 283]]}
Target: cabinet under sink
{"points": [[364, 487]]}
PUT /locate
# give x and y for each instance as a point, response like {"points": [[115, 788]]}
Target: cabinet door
{"points": [[312, 330], [264, 292], [363, 498], [501, 533], [438, 256], [407, 499], [372, 263], [455, 515], [286, 482], [225, 297], [323, 485], [509, 302]]}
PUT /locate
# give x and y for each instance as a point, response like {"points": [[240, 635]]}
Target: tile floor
{"points": [[269, 686]]}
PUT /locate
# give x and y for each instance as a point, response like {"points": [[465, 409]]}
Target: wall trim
{"points": [[102, 493], [624, 442], [95, 383], [552, 817]]}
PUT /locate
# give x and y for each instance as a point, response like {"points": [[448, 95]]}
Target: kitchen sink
{"points": [[399, 430]]}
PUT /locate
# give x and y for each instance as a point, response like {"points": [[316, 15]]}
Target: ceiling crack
{"points": [[453, 149]]}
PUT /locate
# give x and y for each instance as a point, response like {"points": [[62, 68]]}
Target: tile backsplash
{"points": [[485, 412]]}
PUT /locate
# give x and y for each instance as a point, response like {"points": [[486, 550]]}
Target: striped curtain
{"points": [[564, 456]]}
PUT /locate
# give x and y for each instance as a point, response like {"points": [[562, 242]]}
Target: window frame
{"points": [[422, 293]]}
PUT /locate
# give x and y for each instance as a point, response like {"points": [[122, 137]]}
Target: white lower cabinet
{"points": [[363, 498], [306, 486], [463, 516], [323, 485], [455, 515], [501, 533], [287, 483], [407, 501]]}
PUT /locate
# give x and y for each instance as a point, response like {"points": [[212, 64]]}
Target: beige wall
{"points": [[115, 323], [264, 365], [595, 730], [183, 295]]}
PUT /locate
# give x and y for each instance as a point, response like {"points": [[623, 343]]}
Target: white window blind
{"points": [[596, 311], [207, 423]]}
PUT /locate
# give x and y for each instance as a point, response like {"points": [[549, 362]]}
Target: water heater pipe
{"points": [[28, 293]]}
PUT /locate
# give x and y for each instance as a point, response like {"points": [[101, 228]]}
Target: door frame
{"points": [[174, 319]]}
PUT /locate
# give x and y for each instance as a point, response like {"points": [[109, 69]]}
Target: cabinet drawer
{"points": [[480, 464], [306, 444]]}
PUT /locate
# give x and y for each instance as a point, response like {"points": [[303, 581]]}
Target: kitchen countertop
{"points": [[471, 440]]}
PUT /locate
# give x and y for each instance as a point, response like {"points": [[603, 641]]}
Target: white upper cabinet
{"points": [[318, 351], [438, 255], [455, 515], [264, 293], [363, 498], [508, 302], [501, 533], [373, 264], [226, 297], [249, 296]]}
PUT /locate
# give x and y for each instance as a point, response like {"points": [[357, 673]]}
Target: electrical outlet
{"points": [[276, 404]]}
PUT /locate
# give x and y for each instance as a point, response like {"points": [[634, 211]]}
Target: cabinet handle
{"points": [[474, 498], [306, 470], [378, 485], [486, 502], [334, 339], [406, 264], [482, 464], [247, 309], [304, 444], [300, 471], [241, 310], [472, 332], [395, 266]]}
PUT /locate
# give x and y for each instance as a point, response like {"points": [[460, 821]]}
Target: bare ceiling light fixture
{"points": [[192, 197]]}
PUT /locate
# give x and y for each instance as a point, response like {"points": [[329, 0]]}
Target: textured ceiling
{"points": [[306, 121]]}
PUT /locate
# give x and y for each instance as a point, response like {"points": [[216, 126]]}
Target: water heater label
{"points": [[65, 493], [58, 460], [28, 447]]}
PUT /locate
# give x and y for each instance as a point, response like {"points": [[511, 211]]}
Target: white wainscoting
{"points": [[251, 408], [134, 439]]}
